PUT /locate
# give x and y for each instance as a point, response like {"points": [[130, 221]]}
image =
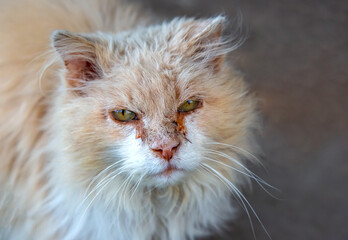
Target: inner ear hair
{"points": [[79, 55]]}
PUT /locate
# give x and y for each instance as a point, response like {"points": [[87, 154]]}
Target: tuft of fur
{"points": [[68, 171]]}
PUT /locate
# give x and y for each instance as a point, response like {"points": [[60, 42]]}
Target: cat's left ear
{"points": [[205, 42], [79, 53]]}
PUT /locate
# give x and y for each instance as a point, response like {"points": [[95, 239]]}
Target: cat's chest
{"points": [[155, 218]]}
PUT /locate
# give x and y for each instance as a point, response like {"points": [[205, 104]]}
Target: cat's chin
{"points": [[168, 177]]}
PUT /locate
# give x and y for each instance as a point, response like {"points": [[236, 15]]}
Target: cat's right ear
{"points": [[79, 55]]}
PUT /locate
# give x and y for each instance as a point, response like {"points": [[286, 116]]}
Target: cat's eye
{"points": [[124, 115], [189, 105]]}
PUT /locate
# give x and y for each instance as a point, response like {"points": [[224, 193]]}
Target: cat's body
{"points": [[68, 170]]}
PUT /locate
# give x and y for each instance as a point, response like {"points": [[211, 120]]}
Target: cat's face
{"points": [[145, 104]]}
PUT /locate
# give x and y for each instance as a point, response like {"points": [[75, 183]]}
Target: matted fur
{"points": [[68, 171]]}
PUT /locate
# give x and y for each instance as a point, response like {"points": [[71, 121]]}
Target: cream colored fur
{"points": [[68, 171]]}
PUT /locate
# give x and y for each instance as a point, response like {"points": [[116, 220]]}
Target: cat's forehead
{"points": [[153, 70], [154, 79], [150, 88]]}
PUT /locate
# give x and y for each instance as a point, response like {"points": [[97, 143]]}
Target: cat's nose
{"points": [[165, 148]]}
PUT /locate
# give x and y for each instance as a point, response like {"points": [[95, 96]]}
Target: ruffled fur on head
{"points": [[151, 72]]}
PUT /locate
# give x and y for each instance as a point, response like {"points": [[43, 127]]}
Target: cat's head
{"points": [[148, 104]]}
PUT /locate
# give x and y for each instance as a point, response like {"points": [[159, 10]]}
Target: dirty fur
{"points": [[70, 171]]}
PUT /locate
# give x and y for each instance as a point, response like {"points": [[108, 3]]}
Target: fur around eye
{"points": [[189, 106], [123, 115]]}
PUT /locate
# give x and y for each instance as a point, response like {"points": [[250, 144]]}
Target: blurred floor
{"points": [[295, 60]]}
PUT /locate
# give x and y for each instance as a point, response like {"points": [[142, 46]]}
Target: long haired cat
{"points": [[114, 126]]}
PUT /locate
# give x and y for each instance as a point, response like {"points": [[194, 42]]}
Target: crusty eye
{"points": [[189, 105], [124, 115]]}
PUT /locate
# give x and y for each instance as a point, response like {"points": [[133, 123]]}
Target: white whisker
{"points": [[236, 169], [122, 189], [116, 173], [137, 185], [235, 194], [241, 195], [259, 181], [101, 186], [244, 167], [98, 175], [237, 148], [116, 192]]}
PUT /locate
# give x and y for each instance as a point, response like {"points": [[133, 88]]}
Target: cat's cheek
{"points": [[117, 132], [212, 119]]}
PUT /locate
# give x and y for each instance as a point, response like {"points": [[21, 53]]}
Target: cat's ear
{"points": [[79, 55], [204, 41]]}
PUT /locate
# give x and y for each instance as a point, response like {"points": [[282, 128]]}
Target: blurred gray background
{"points": [[295, 60]]}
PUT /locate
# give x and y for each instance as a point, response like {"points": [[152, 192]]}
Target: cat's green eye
{"points": [[189, 105], [124, 115]]}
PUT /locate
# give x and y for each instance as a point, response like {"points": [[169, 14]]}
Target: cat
{"points": [[116, 126]]}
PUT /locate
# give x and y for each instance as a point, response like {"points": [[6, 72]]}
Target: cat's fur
{"points": [[59, 145]]}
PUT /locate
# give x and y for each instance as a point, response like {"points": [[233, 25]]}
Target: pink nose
{"points": [[165, 148]]}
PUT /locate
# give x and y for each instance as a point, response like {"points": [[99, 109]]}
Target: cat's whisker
{"points": [[243, 166], [99, 192], [221, 154], [137, 185], [235, 194], [187, 139], [116, 192], [238, 149], [101, 185], [124, 192], [241, 195], [259, 181], [122, 189], [90, 203], [112, 172], [98, 175], [262, 183], [248, 173]]}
